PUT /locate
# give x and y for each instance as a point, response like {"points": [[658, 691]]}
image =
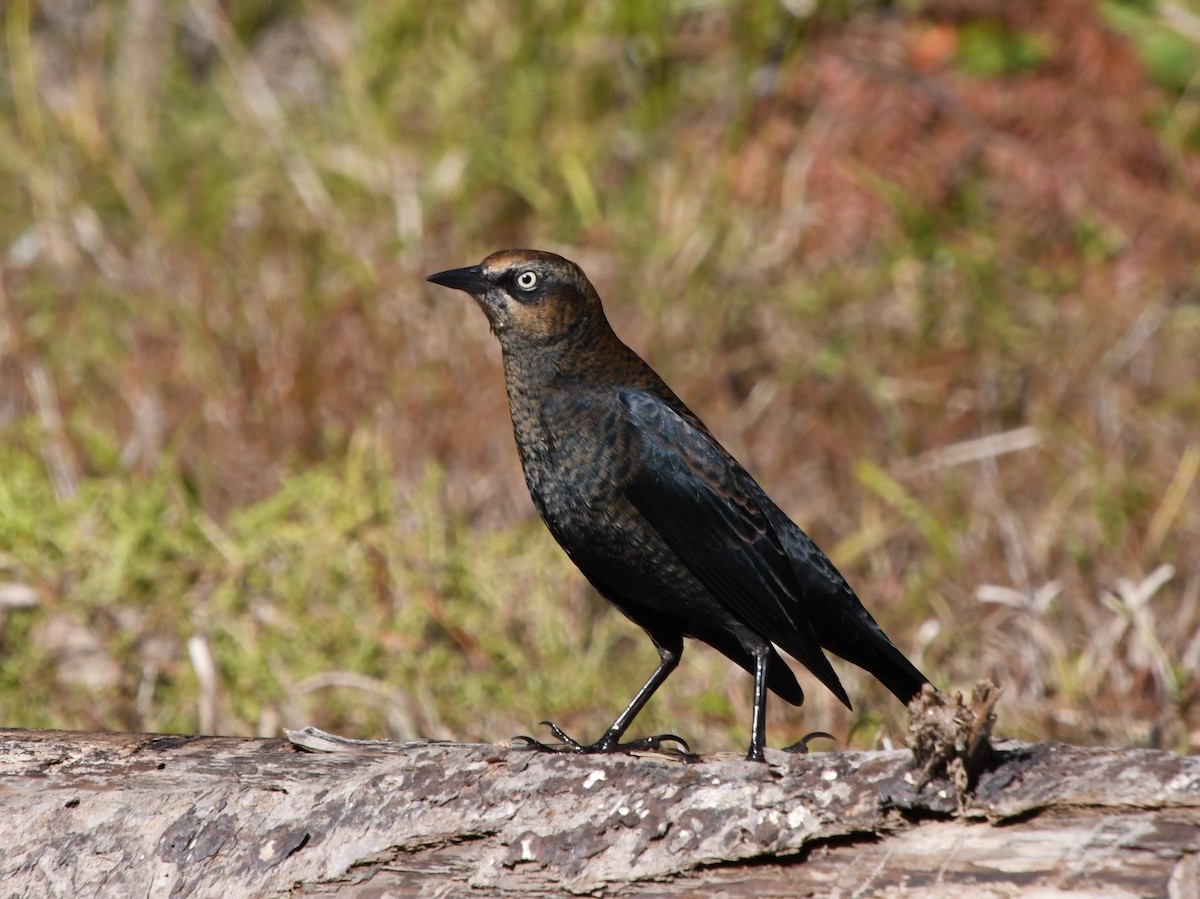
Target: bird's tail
{"points": [[900, 675], [873, 651], [840, 621]]}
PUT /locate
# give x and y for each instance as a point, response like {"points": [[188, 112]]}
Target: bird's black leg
{"points": [[758, 726], [669, 653]]}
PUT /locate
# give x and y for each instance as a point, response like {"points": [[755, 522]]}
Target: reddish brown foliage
{"points": [[1065, 143]]}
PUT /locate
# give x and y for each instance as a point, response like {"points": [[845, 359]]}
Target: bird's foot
{"points": [[801, 745], [607, 743]]}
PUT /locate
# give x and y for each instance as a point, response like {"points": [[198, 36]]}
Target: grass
{"points": [[253, 473]]}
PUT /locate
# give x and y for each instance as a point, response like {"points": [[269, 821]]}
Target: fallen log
{"points": [[90, 814]]}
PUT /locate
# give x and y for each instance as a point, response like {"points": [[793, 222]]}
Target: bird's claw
{"points": [[530, 743], [603, 745], [569, 745], [655, 743], [801, 745]]}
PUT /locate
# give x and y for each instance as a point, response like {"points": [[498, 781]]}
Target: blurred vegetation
{"points": [[928, 268]]}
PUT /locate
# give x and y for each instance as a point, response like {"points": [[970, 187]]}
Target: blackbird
{"points": [[659, 517]]}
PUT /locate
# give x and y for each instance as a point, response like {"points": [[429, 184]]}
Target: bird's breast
{"points": [[571, 457], [576, 463]]}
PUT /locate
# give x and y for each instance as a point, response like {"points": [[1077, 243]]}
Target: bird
{"points": [[658, 516]]}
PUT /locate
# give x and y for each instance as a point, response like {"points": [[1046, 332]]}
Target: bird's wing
{"points": [[714, 517]]}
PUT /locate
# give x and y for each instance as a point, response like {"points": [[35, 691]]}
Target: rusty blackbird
{"points": [[658, 516]]}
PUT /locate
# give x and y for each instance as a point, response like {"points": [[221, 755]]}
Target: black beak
{"points": [[470, 279]]}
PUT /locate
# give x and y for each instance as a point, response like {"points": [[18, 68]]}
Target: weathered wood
{"points": [[125, 815]]}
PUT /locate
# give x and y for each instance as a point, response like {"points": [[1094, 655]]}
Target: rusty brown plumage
{"points": [[658, 516]]}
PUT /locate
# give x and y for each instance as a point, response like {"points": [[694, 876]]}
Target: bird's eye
{"points": [[527, 280]]}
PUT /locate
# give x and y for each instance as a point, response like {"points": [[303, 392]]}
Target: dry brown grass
{"points": [[949, 319]]}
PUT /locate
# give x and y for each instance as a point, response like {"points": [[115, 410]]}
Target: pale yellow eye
{"points": [[527, 280]]}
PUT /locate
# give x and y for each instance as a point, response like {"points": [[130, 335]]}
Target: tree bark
{"points": [[155, 815]]}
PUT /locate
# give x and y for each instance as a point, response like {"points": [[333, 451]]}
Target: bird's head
{"points": [[531, 297]]}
